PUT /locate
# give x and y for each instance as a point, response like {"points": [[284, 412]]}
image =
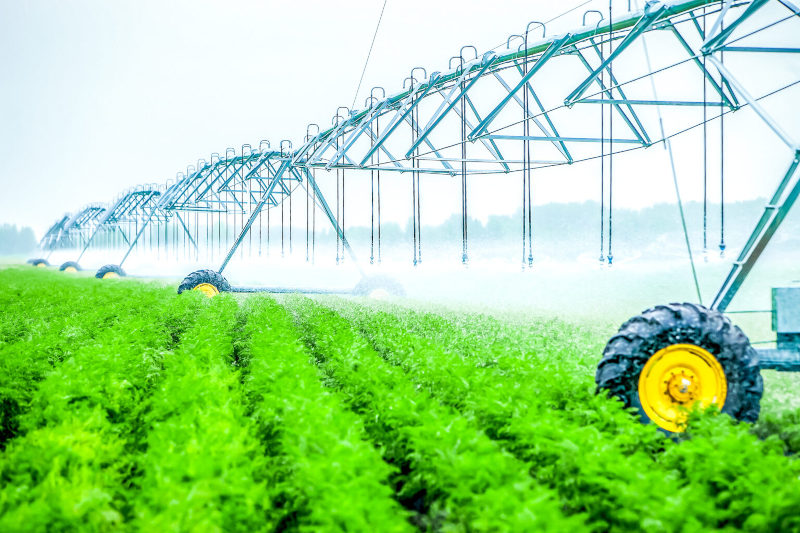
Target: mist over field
{"points": [[650, 261]]}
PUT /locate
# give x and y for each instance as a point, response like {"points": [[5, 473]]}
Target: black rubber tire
{"points": [[102, 271], [37, 262], [367, 284], [640, 337], [68, 264], [211, 277]]}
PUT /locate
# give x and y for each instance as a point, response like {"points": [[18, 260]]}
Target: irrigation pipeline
{"points": [[226, 182]]}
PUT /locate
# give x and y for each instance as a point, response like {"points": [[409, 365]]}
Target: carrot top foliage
{"points": [[124, 406]]}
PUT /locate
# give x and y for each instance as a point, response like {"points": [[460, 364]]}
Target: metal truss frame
{"points": [[467, 120]]}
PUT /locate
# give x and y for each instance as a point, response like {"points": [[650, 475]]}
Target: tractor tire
{"points": [[110, 271], [209, 282], [375, 286], [40, 263], [70, 266], [689, 333]]}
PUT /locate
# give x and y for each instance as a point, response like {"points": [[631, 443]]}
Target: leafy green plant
{"points": [[324, 476], [784, 426], [71, 465], [539, 403], [202, 466], [126, 406], [451, 471]]}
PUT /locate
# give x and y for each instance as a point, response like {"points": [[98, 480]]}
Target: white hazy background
{"points": [[101, 95]]}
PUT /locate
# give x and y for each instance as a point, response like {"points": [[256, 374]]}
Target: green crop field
{"points": [[124, 406]]}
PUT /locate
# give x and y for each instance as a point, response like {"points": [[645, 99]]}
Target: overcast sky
{"points": [[100, 95]]}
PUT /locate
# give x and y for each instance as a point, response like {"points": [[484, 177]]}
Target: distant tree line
{"points": [[15, 240], [562, 229]]}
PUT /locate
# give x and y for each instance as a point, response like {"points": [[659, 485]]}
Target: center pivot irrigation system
{"points": [[539, 102]]}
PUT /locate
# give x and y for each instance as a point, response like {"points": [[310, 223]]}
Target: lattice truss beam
{"points": [[235, 183], [535, 104], [547, 93]]}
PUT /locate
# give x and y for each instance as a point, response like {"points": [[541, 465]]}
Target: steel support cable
{"points": [[413, 178], [369, 53], [668, 147], [705, 149], [419, 210], [602, 258], [721, 156], [464, 254], [527, 172], [414, 211], [260, 222], [610, 137], [313, 224], [525, 162], [343, 224], [249, 193], [337, 207], [378, 176], [308, 200], [268, 206], [530, 211], [241, 208], [525, 140], [371, 205]]}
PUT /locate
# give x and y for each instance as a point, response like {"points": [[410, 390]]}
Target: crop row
{"points": [[202, 466], [324, 476], [452, 474], [44, 323], [70, 464], [126, 406], [603, 463], [173, 413]]}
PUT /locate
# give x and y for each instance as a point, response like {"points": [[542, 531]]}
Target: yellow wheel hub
{"points": [[110, 275], [207, 289], [41, 265], [71, 269], [677, 377]]}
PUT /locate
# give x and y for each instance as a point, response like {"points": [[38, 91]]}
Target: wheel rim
{"points": [[677, 377], [71, 269], [110, 275], [207, 289], [40, 265]]}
